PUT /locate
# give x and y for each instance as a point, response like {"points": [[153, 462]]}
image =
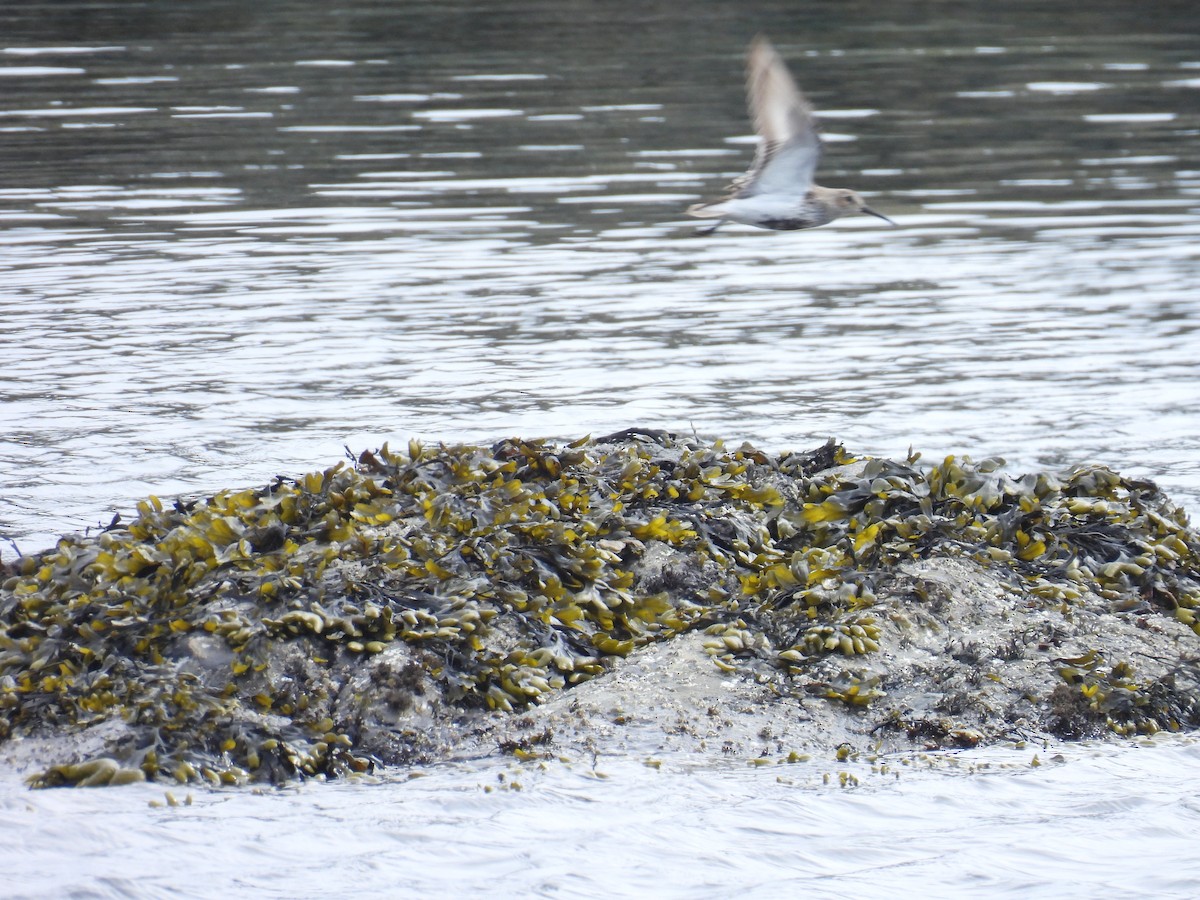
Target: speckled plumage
{"points": [[778, 191]]}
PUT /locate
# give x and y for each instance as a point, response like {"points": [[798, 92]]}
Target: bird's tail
{"points": [[705, 210]]}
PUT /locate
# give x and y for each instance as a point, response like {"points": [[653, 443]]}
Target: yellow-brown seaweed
{"points": [[321, 625]]}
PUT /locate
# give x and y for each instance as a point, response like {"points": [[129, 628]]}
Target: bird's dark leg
{"points": [[705, 232]]}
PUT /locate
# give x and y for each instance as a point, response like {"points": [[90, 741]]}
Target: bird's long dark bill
{"points": [[871, 212]]}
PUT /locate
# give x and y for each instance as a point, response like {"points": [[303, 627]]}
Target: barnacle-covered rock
{"points": [[402, 608]]}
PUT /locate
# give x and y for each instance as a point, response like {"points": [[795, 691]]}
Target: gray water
{"points": [[1084, 822], [237, 238]]}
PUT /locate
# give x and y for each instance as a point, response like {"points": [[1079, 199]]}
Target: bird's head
{"points": [[848, 202]]}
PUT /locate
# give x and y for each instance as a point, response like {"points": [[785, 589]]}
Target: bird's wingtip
{"points": [[760, 45]]}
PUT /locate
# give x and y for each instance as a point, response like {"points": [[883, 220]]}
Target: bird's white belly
{"points": [[754, 210]]}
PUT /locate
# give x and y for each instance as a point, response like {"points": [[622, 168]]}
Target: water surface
{"points": [[237, 239], [1083, 821]]}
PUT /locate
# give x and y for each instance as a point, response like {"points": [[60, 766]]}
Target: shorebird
{"points": [[778, 192]]}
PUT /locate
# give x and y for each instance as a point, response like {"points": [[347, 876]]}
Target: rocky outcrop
{"points": [[640, 589]]}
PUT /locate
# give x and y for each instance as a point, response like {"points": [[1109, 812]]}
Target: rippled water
{"points": [[236, 238], [1087, 822]]}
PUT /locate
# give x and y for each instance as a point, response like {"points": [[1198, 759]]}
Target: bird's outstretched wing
{"points": [[789, 146]]}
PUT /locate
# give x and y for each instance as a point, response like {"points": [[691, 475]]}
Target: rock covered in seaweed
{"points": [[401, 609]]}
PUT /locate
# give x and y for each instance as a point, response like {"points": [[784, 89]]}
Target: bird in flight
{"points": [[778, 192]]}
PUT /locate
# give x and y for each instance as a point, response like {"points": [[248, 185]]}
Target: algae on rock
{"points": [[399, 609]]}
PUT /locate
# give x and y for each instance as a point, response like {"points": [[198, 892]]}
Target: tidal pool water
{"points": [[235, 239]]}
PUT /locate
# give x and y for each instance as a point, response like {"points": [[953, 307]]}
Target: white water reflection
{"points": [[263, 248], [1079, 821], [257, 342]]}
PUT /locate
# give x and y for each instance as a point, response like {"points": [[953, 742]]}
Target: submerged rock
{"points": [[641, 588]]}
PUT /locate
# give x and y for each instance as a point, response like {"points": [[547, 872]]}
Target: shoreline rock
{"points": [[640, 589]]}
